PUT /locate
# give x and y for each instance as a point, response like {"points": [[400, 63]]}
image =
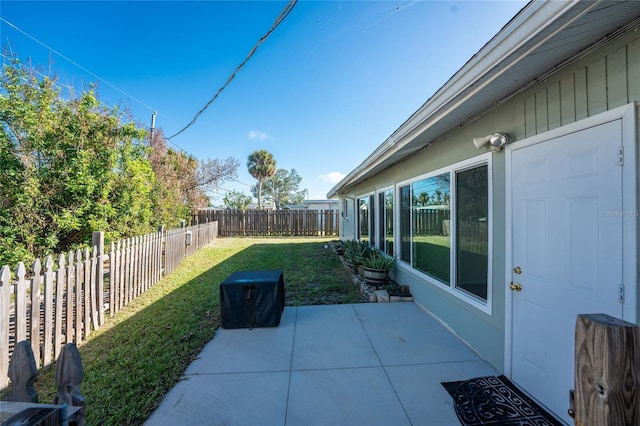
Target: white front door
{"points": [[567, 252]]}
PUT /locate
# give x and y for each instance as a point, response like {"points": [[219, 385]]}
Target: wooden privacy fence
{"points": [[66, 299], [272, 222]]}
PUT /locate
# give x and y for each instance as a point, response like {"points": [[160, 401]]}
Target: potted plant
{"points": [[356, 253], [377, 266]]}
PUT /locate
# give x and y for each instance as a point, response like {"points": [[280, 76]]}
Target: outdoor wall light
{"points": [[496, 140]]}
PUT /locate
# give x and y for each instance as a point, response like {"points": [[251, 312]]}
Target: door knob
{"points": [[515, 286]]}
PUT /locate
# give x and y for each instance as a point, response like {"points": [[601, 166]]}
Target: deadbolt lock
{"points": [[517, 270]]}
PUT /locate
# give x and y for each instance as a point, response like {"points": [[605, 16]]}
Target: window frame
{"points": [[452, 288]]}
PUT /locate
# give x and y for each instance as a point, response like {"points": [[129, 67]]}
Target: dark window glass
{"points": [[472, 239], [372, 220], [405, 223], [381, 230]]}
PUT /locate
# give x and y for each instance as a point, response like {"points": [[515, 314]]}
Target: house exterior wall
{"points": [[599, 81]]}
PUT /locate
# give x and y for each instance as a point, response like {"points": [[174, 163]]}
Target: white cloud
{"points": [[257, 134], [333, 177]]}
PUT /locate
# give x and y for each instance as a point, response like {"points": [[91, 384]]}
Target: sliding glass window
{"points": [[444, 228], [385, 223], [431, 226], [363, 219], [388, 222]]}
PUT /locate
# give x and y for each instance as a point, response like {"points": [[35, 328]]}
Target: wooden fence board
{"points": [[5, 297], [34, 317], [48, 310], [57, 329], [21, 304], [63, 303], [271, 222]]}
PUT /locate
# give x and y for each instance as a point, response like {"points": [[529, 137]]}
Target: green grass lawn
{"points": [[136, 357]]}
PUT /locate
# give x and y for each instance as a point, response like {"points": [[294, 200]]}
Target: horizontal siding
{"points": [[601, 80]]}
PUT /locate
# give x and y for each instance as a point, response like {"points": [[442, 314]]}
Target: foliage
{"points": [[282, 188], [236, 200], [380, 260], [182, 181], [361, 253], [132, 361], [356, 252], [261, 166], [169, 193], [68, 167]]}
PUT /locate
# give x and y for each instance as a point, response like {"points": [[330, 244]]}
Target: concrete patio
{"points": [[360, 364]]}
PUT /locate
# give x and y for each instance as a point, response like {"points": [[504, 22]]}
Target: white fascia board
{"points": [[533, 19]]}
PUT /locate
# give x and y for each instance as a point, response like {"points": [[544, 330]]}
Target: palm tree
{"points": [[261, 165]]}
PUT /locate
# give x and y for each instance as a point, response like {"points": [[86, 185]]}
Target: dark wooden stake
{"points": [[69, 374], [22, 373]]}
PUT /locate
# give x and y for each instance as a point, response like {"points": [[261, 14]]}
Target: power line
{"points": [[70, 88], [86, 70], [241, 183], [285, 12], [75, 63], [57, 82]]}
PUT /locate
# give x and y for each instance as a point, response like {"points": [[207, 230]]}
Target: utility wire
{"points": [[76, 64], [69, 88], [285, 12], [241, 183]]}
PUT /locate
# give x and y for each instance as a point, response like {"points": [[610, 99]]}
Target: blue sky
{"points": [[329, 85]]}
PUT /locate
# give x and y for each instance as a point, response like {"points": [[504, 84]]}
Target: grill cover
{"points": [[252, 299]]}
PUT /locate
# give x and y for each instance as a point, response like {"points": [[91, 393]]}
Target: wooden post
{"points": [[98, 242], [607, 371]]}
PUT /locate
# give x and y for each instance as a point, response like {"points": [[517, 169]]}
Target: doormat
{"points": [[495, 400]]}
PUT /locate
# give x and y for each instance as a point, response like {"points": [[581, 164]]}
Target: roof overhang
{"points": [[542, 38]]}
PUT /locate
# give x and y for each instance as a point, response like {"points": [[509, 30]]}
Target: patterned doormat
{"points": [[495, 401]]}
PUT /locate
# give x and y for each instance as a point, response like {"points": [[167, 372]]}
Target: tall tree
{"points": [[69, 166], [283, 188], [261, 166], [182, 182]]}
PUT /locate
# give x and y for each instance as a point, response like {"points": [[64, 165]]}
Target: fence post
{"points": [[607, 371], [98, 242]]}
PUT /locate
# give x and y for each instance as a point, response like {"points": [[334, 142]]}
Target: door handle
{"points": [[515, 286]]}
